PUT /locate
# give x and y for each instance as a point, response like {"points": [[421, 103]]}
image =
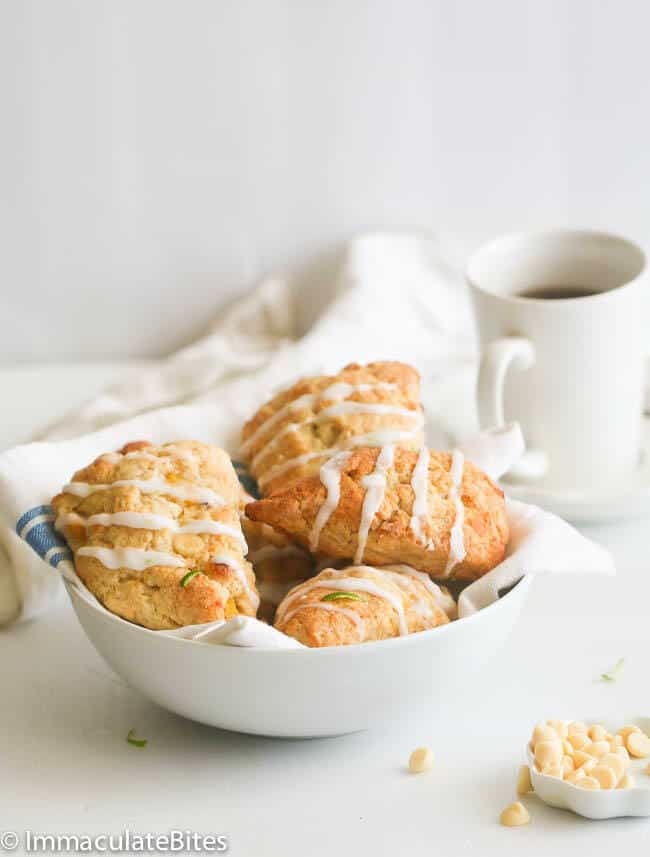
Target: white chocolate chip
{"points": [[624, 731], [588, 783], [574, 776], [578, 740], [568, 765], [597, 732], [421, 760], [599, 748], [542, 732], [577, 726], [625, 782], [548, 754], [625, 756], [638, 745], [581, 758], [524, 784], [515, 815], [605, 776], [560, 728], [554, 771], [615, 762]]}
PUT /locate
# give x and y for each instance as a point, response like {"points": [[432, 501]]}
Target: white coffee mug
{"points": [[570, 369]]}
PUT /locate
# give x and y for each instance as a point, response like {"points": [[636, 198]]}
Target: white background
{"points": [[157, 157]]}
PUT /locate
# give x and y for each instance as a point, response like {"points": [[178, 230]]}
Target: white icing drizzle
{"points": [[215, 528], [442, 597], [332, 608], [157, 485], [457, 550], [375, 485], [416, 603], [330, 476], [401, 575], [224, 559], [273, 443], [343, 408], [136, 559], [149, 521], [380, 437], [422, 576], [139, 559], [334, 393], [279, 469], [69, 519], [420, 485], [351, 584], [340, 409]]}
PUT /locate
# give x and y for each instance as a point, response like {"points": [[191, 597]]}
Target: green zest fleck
{"points": [[612, 675], [136, 742], [336, 596], [190, 574]]}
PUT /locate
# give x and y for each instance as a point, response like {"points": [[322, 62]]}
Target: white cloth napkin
{"points": [[395, 297]]}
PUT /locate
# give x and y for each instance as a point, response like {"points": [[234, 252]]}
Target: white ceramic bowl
{"points": [[603, 803], [299, 692]]}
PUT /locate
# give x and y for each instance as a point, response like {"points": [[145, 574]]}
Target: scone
{"points": [[360, 604], [279, 563], [156, 535], [300, 428], [433, 511]]}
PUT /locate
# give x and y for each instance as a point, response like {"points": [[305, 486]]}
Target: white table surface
{"points": [[65, 766]]}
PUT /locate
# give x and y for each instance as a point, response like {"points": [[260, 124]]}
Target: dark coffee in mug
{"points": [[557, 293]]}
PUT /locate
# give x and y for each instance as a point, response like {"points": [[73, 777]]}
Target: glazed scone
{"points": [[278, 562], [339, 607], [294, 433], [431, 510], [156, 534]]}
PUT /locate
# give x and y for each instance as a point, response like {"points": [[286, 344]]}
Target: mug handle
{"points": [[498, 357]]}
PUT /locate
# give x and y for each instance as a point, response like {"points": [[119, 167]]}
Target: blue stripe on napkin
{"points": [[31, 514], [36, 527]]}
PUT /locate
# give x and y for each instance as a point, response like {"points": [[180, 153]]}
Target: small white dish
{"points": [[629, 499], [601, 803], [300, 693]]}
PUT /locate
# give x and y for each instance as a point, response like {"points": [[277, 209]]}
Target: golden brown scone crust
{"points": [[267, 451], [391, 538], [153, 597], [305, 616]]}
